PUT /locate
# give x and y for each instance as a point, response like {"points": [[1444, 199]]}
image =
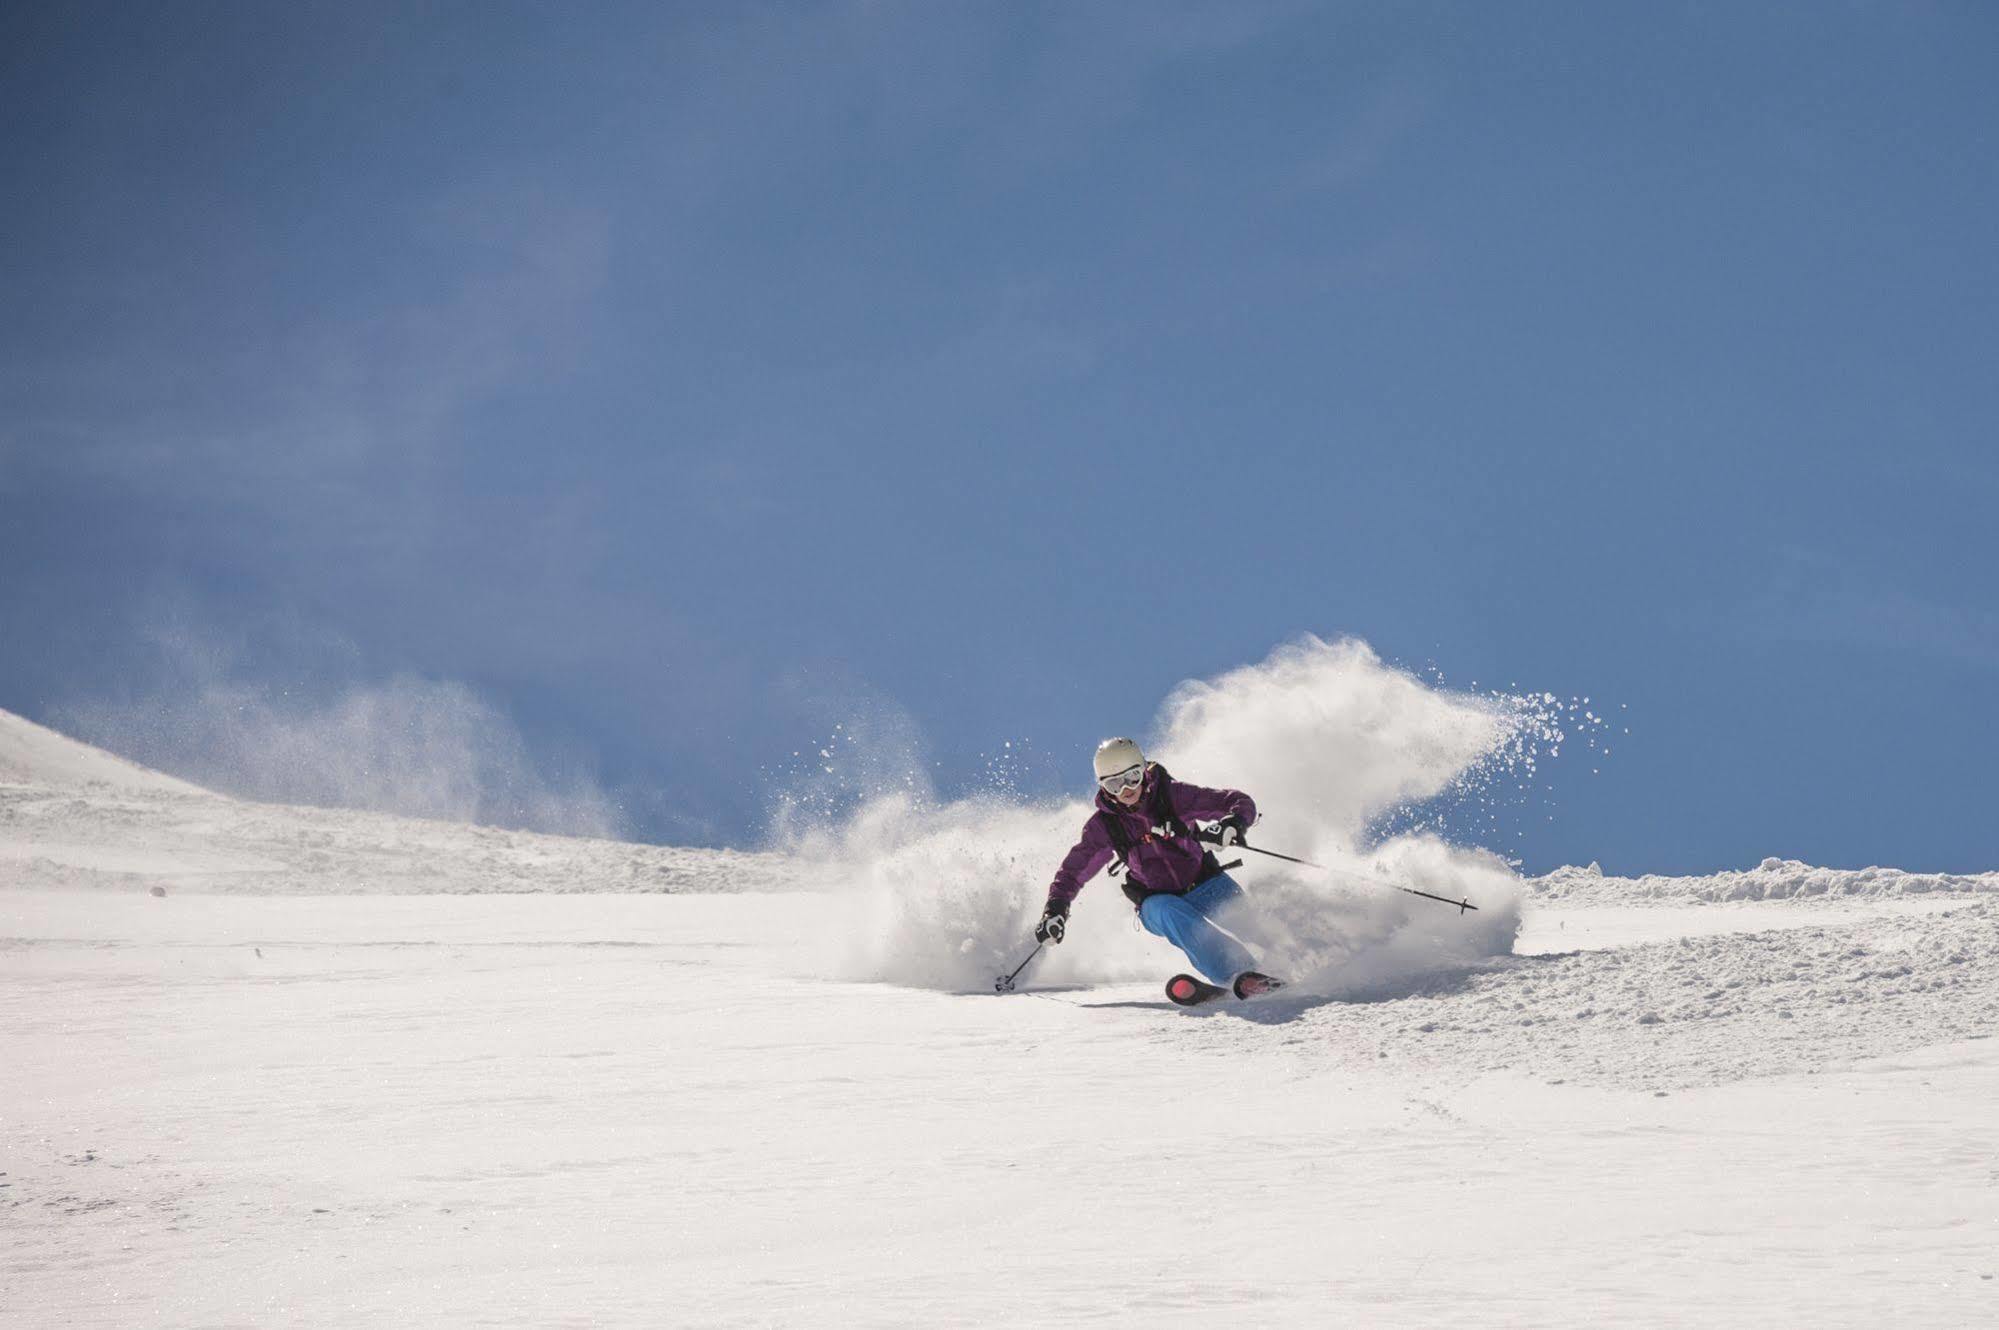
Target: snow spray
{"points": [[1328, 739]]}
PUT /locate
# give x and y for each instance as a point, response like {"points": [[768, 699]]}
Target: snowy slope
{"points": [[73, 816], [369, 1071], [30, 754], [647, 1110]]}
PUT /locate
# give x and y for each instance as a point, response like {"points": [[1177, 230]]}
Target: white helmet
{"points": [[1115, 757]]}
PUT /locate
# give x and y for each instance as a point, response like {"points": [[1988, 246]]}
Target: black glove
{"points": [[1054, 923], [1229, 831]]}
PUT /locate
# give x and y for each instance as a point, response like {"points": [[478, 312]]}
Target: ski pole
{"points": [[1462, 905], [1004, 984]]}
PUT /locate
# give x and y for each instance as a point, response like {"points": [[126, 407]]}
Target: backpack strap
{"points": [[1161, 810], [1160, 816], [1159, 813], [1121, 842]]}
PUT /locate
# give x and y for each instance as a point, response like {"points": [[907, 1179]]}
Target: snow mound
{"points": [[33, 755], [1773, 879]]}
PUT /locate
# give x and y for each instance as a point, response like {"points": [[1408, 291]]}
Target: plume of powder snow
{"points": [[420, 747], [946, 896], [1329, 740], [1325, 736]]}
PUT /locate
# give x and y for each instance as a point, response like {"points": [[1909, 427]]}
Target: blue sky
{"points": [[685, 379]]}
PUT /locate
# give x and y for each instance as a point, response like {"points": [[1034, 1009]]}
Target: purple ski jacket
{"points": [[1159, 860]]}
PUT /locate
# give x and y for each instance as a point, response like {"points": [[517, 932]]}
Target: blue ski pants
{"points": [[1184, 921]]}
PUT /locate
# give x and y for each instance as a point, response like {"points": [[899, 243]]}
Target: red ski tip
{"points": [[1188, 991]]}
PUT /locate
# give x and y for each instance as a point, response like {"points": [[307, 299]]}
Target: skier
{"points": [[1142, 820]]}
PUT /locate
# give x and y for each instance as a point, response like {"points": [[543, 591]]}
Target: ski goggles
{"points": [[1119, 781]]}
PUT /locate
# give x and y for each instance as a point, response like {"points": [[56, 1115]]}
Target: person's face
{"points": [[1125, 785]]}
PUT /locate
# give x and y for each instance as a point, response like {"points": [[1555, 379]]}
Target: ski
{"points": [[1187, 991]]}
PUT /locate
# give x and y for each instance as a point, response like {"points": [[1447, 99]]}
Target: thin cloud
{"points": [[1816, 597]]}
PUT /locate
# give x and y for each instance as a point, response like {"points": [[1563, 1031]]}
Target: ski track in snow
{"points": [[362, 1070]]}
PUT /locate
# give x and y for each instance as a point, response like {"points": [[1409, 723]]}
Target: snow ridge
{"points": [[1773, 879]]}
